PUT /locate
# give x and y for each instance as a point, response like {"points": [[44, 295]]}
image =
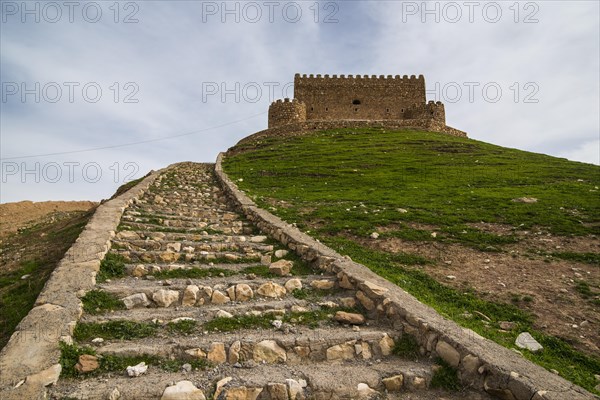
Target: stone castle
{"points": [[322, 102]]}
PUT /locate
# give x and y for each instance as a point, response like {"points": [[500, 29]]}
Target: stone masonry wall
{"points": [[30, 360], [481, 363], [358, 97], [286, 112]]}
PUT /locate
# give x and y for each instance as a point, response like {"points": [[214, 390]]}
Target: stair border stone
{"points": [[482, 364], [30, 361]]}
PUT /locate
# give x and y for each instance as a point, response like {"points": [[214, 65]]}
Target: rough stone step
{"points": [[210, 215], [169, 257], [205, 313], [217, 290], [276, 382], [136, 226], [178, 223], [190, 247], [191, 237], [263, 346]]}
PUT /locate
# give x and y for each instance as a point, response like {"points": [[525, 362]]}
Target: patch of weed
{"points": [[99, 301]]}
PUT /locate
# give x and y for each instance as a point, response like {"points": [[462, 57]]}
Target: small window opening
{"points": [[356, 109], [326, 108], [356, 102]]}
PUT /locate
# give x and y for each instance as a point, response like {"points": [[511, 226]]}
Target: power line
{"points": [[136, 143]]}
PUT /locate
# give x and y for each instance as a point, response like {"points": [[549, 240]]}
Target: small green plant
{"points": [[583, 288], [406, 347], [587, 258], [186, 326], [112, 266], [445, 376], [99, 301], [120, 329], [223, 324]]}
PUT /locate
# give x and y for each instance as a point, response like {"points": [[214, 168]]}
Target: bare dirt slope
{"points": [[17, 215]]}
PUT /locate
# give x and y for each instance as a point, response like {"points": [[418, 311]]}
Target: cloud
{"points": [[178, 49]]}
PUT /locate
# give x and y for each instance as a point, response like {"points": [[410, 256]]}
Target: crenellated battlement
{"points": [[360, 77], [357, 98]]}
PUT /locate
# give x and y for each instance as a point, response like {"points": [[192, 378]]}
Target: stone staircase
{"points": [[217, 310]]}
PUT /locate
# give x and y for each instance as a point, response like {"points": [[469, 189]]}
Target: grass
{"points": [[38, 248], [113, 363], [341, 185], [185, 326], [126, 186], [112, 266], [586, 258], [99, 301], [123, 330], [445, 377], [406, 347]]}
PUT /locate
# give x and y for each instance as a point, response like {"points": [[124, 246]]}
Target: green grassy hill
{"points": [[436, 190]]}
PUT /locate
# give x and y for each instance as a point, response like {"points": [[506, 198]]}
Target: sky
{"points": [[97, 93]]}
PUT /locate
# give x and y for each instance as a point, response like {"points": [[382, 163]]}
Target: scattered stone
{"points": [[349, 318], [186, 368], [386, 344], [219, 298], [448, 353], [97, 340], [114, 395], [136, 300], [277, 391], [220, 385], [87, 363], [139, 270], [265, 260], [231, 293], [293, 284], [258, 239], [196, 353], [295, 389], [223, 314], [47, 377], [271, 289], [216, 354], [269, 351], [281, 267], [365, 301], [365, 391], [190, 295], [243, 292], [451, 277], [340, 352], [281, 253], [528, 200], [183, 390], [322, 284], [374, 235], [137, 370], [234, 352], [164, 297], [393, 383], [175, 247], [507, 325], [348, 302], [419, 383], [526, 341], [277, 324]]}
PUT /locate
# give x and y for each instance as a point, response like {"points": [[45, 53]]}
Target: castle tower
{"points": [[286, 112]]}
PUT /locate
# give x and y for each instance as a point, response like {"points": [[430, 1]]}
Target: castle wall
{"points": [[358, 97]]}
